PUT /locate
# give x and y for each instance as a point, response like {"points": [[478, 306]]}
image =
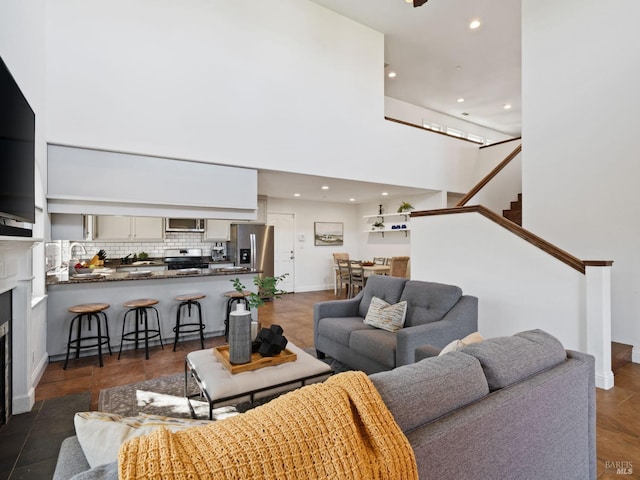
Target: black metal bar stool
{"points": [[87, 312], [188, 301], [140, 308], [233, 297]]}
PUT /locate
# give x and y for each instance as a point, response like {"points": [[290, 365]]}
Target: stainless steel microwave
{"points": [[184, 225]]}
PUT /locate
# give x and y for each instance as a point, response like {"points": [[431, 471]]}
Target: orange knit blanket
{"points": [[338, 429]]}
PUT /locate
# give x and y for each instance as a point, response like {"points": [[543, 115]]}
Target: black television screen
{"points": [[17, 152]]}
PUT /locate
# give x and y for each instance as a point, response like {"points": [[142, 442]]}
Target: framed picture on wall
{"points": [[328, 233]]}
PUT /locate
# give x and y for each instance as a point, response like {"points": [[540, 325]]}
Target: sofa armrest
{"points": [[426, 351], [459, 322], [335, 308]]}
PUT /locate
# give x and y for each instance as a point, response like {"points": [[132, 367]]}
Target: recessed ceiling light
{"points": [[384, 194], [325, 187], [296, 194], [391, 74], [352, 199], [507, 106], [474, 24], [460, 100], [408, 1]]}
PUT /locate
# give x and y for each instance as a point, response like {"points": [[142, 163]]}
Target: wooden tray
{"points": [[257, 360]]}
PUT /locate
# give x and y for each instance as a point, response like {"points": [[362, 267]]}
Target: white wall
{"points": [[407, 112], [22, 47], [519, 286], [314, 264], [285, 84], [504, 188], [580, 148]]}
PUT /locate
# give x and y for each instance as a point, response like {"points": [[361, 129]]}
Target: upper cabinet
{"points": [[115, 227], [217, 230]]}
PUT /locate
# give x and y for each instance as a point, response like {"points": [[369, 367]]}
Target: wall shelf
{"points": [[404, 220]]}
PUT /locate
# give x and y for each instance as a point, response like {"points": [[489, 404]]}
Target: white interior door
{"points": [[284, 248]]}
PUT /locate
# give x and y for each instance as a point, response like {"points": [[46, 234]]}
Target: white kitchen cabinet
{"points": [[217, 230], [115, 227]]}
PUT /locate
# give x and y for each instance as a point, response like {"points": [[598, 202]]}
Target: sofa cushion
{"points": [[428, 301], [387, 288], [383, 315], [100, 434], [508, 360], [421, 392], [376, 344], [338, 329], [474, 337]]}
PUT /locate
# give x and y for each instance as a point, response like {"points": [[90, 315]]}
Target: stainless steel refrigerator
{"points": [[251, 245]]}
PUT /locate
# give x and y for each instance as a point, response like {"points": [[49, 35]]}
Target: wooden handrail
{"points": [[501, 142], [463, 201], [526, 235], [402, 122]]}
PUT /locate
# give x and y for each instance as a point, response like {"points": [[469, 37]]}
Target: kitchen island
{"points": [[115, 288]]}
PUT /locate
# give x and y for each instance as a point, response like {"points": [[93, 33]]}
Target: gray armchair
{"points": [[436, 315]]}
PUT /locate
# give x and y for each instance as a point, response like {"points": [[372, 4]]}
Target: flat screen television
{"points": [[17, 157]]}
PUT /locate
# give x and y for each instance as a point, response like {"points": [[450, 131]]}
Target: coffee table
{"points": [[220, 387]]}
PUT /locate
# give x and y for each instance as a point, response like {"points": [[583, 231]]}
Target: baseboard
{"points": [[24, 403], [606, 382], [635, 355], [39, 370]]}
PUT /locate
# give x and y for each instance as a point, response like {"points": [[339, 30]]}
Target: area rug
{"points": [[165, 396]]}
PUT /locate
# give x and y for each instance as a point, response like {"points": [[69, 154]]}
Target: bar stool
{"points": [[188, 301], [140, 308], [233, 297], [88, 312]]}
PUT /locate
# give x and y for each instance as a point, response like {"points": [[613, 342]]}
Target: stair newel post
{"points": [[598, 312]]}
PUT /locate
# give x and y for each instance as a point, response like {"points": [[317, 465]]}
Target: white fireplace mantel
{"points": [[16, 275]]}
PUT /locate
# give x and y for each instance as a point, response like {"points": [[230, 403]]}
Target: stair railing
{"points": [[491, 175]]}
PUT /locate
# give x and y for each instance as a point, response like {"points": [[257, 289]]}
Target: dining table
{"points": [[376, 270]]}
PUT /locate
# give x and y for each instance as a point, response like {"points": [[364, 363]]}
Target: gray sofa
{"points": [[517, 408], [436, 315]]}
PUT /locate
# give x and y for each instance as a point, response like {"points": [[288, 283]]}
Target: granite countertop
{"points": [[111, 275]]}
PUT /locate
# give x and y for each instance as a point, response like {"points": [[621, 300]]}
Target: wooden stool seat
{"points": [[190, 297], [188, 300], [140, 303], [236, 294], [89, 308], [141, 329], [87, 312]]}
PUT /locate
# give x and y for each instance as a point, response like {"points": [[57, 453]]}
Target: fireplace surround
{"points": [[5, 357]]}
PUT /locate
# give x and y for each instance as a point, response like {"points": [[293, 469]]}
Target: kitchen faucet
{"points": [[77, 244]]}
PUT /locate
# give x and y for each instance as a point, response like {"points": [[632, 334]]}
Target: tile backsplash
{"points": [[58, 252]]}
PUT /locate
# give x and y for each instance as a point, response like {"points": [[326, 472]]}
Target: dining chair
{"points": [[343, 277], [338, 281], [379, 260], [356, 277], [399, 267]]}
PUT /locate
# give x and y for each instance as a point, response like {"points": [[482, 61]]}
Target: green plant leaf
{"points": [[267, 288]]}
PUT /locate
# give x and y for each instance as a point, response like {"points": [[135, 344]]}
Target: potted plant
{"points": [[377, 226], [405, 207], [267, 288]]}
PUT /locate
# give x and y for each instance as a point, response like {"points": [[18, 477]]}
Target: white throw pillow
{"points": [[474, 337], [100, 434], [383, 315]]}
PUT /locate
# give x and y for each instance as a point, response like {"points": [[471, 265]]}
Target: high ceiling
{"points": [[437, 59]]}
